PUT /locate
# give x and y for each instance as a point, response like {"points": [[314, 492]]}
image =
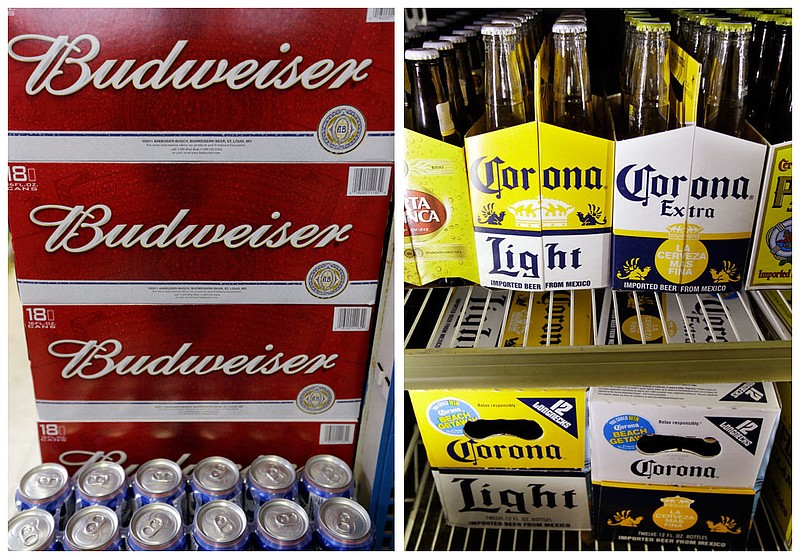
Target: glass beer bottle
{"points": [[647, 111], [724, 109], [505, 105], [572, 93], [430, 109], [453, 90]]}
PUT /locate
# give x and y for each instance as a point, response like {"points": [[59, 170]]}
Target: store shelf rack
{"points": [[768, 359]]}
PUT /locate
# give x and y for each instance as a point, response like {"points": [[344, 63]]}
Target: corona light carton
{"points": [[502, 169], [514, 499], [437, 211], [503, 429], [706, 518], [132, 443], [715, 435], [771, 257]]}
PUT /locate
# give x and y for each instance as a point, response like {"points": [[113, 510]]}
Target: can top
{"points": [[327, 472], [101, 480], [499, 29], [282, 521], [44, 482], [158, 477], [569, 27], [216, 475], [94, 528], [455, 39], [271, 473], [422, 54], [438, 45], [220, 523], [31, 530], [155, 526], [344, 520]]}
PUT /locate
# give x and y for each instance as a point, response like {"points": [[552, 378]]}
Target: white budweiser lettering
{"points": [[81, 230], [93, 359], [74, 55]]}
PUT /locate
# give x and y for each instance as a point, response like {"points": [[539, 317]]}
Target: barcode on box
{"points": [[351, 319], [369, 181], [336, 433], [378, 15]]}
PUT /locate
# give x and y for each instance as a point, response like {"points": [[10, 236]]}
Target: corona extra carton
{"points": [[714, 435], [503, 429], [771, 256], [438, 237], [684, 201]]}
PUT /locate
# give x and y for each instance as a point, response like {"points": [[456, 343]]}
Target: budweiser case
{"points": [[715, 435], [281, 85], [198, 362], [134, 443], [205, 233]]}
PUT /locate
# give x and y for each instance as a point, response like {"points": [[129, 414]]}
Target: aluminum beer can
{"points": [[105, 484], [282, 525], [47, 487], [160, 481], [220, 526], [156, 527], [344, 525], [324, 476], [215, 479], [269, 477], [94, 528], [32, 530]]}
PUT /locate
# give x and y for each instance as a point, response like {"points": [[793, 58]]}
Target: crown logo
{"points": [[531, 214], [677, 502], [684, 231]]}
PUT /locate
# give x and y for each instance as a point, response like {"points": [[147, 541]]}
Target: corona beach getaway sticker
{"points": [[341, 129], [623, 432], [316, 398], [450, 415], [326, 279]]}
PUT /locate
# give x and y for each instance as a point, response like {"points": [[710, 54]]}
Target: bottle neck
{"points": [[430, 108], [504, 96], [572, 94]]}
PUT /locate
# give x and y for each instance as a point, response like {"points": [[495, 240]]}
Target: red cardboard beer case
{"points": [[201, 233], [303, 85], [198, 362], [132, 443]]}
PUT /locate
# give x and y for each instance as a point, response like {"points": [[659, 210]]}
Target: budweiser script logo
{"points": [[93, 360], [81, 230], [62, 68]]}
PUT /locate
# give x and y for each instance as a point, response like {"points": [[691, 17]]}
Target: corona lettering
{"points": [[574, 177], [650, 468], [468, 451], [491, 177]]}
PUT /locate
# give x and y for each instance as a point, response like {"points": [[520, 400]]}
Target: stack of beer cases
{"points": [[508, 458], [680, 465], [198, 201]]}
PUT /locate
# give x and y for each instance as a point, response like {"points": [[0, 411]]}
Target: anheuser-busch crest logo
{"points": [[93, 359], [80, 229], [62, 68]]}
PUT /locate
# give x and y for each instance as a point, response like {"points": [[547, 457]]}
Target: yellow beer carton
{"points": [[771, 257], [438, 233], [685, 85], [503, 168], [503, 429], [544, 332]]}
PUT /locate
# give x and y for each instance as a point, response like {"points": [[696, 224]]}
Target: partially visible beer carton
{"points": [[502, 168], [515, 499], [438, 234], [156, 233], [771, 257], [715, 435], [706, 518], [777, 489], [198, 362], [477, 325], [638, 317], [707, 319], [503, 429], [564, 326], [132, 443]]}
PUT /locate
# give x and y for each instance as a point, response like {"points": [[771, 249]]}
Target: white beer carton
{"points": [[711, 435]]}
